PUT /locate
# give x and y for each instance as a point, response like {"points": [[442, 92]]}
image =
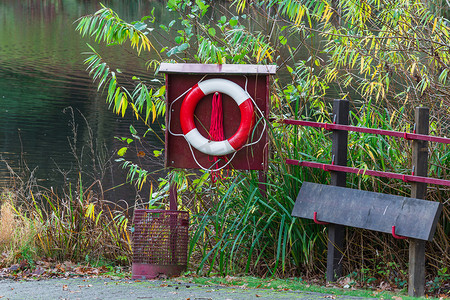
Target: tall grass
{"points": [[17, 236], [246, 231], [77, 226]]}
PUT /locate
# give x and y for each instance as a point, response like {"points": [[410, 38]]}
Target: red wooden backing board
{"points": [[177, 151]]}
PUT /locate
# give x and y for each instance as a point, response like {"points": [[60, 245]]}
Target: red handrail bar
{"points": [[317, 221], [337, 168], [399, 237], [405, 135]]}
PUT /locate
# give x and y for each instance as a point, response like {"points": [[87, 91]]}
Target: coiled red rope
{"points": [[216, 129]]}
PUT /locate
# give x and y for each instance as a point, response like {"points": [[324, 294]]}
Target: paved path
{"points": [[105, 288]]}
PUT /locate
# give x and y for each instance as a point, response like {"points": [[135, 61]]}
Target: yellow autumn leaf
{"points": [[123, 104], [300, 13], [413, 67], [325, 13], [370, 154], [268, 55], [258, 54], [153, 112]]}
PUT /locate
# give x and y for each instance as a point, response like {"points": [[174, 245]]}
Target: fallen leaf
{"points": [[345, 281], [257, 296], [383, 285], [14, 268]]}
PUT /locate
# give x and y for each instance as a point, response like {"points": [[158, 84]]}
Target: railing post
{"points": [[416, 285], [336, 233]]}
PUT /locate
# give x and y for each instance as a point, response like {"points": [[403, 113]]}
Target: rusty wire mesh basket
{"points": [[160, 243]]}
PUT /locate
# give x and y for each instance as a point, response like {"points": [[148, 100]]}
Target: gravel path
{"points": [[105, 288]]}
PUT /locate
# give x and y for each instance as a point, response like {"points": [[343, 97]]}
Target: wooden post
{"points": [[416, 285], [336, 233]]}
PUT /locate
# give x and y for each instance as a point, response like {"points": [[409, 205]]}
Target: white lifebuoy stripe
{"points": [[206, 146], [191, 133], [224, 86]]}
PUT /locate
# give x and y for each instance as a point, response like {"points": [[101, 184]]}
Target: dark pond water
{"points": [[43, 79]]}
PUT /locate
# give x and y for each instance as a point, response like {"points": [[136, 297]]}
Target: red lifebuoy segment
{"points": [[188, 107], [191, 133], [245, 127]]}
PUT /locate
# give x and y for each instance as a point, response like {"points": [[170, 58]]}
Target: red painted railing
{"points": [[406, 178], [337, 168], [405, 135]]}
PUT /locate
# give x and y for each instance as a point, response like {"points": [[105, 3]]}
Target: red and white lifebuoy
{"points": [[191, 133]]}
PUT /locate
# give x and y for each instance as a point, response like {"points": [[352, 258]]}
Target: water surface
{"points": [[43, 82]]}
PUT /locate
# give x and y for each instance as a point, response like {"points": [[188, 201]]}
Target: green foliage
{"points": [[439, 281], [106, 26]]}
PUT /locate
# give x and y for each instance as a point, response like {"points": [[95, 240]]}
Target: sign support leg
{"points": [[173, 206]]}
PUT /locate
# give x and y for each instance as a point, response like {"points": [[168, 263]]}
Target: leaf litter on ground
{"points": [[47, 268]]}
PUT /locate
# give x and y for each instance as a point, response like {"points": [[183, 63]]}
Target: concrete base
{"points": [[149, 271]]}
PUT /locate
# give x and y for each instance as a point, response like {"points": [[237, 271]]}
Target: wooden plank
{"points": [[412, 217], [236, 69]]}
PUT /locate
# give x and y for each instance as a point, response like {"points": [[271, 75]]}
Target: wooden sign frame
{"points": [[180, 78]]}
